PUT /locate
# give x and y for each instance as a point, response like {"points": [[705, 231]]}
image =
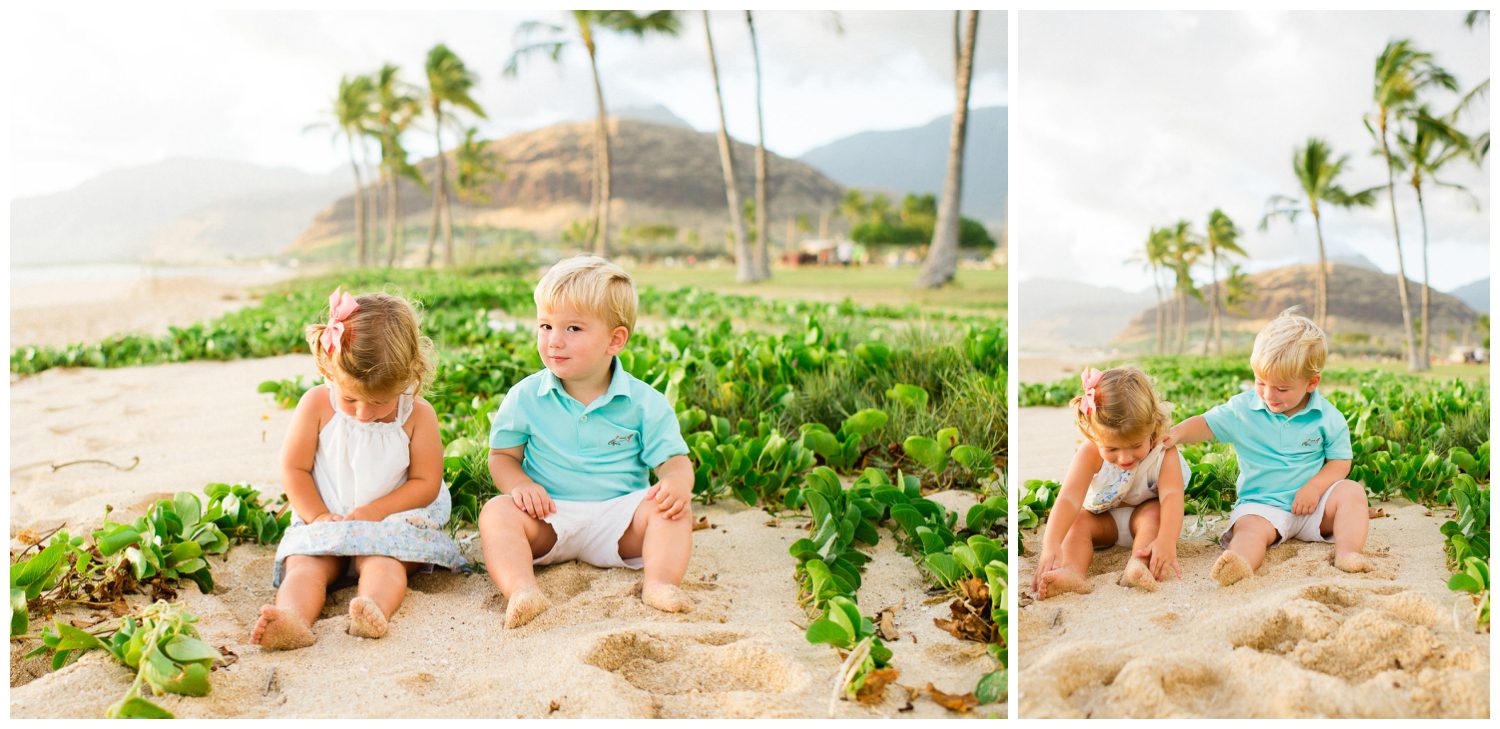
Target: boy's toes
{"points": [[1352, 562], [1230, 568], [520, 609], [665, 597]]}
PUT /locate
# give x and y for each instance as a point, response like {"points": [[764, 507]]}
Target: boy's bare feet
{"points": [[1230, 568], [520, 609], [665, 597], [1059, 580], [1138, 574], [365, 618], [1352, 562], [280, 629]]}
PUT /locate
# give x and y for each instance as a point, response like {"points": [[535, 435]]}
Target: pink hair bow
{"points": [[1090, 378], [340, 306]]}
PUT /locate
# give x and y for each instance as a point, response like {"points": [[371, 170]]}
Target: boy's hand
{"points": [[1170, 439], [534, 500], [1161, 557], [1306, 501], [671, 497]]}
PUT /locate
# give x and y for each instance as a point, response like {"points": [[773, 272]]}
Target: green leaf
{"points": [[189, 509], [927, 452], [826, 631], [944, 568], [118, 538], [186, 649], [135, 707], [911, 395], [1462, 582], [947, 438], [38, 567], [71, 638], [973, 460], [991, 687], [863, 423]]}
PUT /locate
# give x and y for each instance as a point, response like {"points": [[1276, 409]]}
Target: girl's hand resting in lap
{"points": [[327, 516], [363, 513]]}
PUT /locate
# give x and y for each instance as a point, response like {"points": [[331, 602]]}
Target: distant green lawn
{"points": [[973, 291], [1440, 371]]}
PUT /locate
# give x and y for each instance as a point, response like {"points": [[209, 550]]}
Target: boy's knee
{"points": [[1354, 493], [498, 510]]}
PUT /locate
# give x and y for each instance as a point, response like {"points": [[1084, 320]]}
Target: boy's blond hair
{"points": [[1291, 347], [592, 285], [1124, 404], [382, 348]]}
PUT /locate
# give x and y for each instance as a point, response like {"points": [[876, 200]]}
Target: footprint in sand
{"points": [[1355, 634], [713, 662]]}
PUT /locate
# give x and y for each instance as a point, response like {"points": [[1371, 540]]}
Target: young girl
{"points": [[362, 465], [1123, 487]]}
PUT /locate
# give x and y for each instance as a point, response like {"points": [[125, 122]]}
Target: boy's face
{"points": [[1123, 451], [575, 345], [1284, 396]]}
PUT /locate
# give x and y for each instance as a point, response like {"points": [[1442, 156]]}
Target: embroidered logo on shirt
{"points": [[1310, 442], [622, 439]]}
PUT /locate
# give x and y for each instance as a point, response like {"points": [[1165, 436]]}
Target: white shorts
{"points": [[1307, 527], [590, 531], [1121, 515]]}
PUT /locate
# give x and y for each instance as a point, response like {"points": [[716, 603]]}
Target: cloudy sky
{"points": [[119, 86], [1130, 120]]}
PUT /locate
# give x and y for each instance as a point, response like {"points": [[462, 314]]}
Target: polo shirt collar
{"points": [[619, 384], [1315, 402]]}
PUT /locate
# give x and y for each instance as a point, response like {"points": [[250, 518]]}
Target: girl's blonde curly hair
{"points": [[381, 348], [1123, 403]]}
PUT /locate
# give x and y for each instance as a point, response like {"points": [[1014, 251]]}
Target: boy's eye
{"points": [[575, 328], [544, 326]]}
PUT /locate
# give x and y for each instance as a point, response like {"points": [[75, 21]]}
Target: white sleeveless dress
{"points": [[357, 463], [1114, 487]]}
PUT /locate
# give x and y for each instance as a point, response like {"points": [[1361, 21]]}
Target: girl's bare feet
{"points": [[1138, 574], [280, 629], [1352, 562], [665, 597], [1060, 580], [1230, 568], [365, 618], [520, 609]]}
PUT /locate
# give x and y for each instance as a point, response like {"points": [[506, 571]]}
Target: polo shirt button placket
{"points": [[583, 418]]}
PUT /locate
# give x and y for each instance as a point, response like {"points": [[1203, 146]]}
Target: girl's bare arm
{"points": [[297, 452], [1075, 484], [1169, 491]]}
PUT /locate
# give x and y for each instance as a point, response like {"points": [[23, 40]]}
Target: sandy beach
{"points": [[1298, 639], [599, 652]]}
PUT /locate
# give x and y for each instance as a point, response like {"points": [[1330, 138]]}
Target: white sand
{"points": [[599, 652], [1298, 639]]}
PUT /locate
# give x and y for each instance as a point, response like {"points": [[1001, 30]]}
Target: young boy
{"points": [[570, 447], [1294, 454]]}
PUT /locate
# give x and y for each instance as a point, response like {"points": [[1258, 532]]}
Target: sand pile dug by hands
{"points": [[599, 652], [1298, 639]]}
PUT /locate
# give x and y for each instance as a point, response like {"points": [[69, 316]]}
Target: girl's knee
{"points": [[311, 565]]}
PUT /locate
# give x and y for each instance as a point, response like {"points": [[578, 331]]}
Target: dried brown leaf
{"points": [[553, 706], [873, 692], [953, 702], [28, 537]]}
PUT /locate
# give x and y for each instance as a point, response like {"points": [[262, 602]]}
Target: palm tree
{"points": [[476, 165], [1154, 258], [1184, 250], [1424, 149], [449, 82], [351, 110], [762, 206], [585, 22], [742, 255], [1401, 72], [942, 258], [1318, 174], [1238, 289], [397, 106], [1221, 240]]}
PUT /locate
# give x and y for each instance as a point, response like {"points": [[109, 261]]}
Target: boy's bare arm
{"points": [[1192, 430], [505, 468], [1331, 473]]}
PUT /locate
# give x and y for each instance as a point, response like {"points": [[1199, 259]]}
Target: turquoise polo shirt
{"points": [[591, 452], [1279, 454]]}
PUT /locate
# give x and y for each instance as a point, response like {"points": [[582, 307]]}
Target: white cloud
{"points": [[106, 87], [1131, 120]]}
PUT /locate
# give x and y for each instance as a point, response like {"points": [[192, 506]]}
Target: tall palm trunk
{"points": [[1320, 295], [1161, 312], [1215, 316], [439, 196], [1426, 285], [601, 160], [1411, 339], [942, 259], [377, 187], [359, 207], [392, 215], [742, 256], [762, 206]]}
